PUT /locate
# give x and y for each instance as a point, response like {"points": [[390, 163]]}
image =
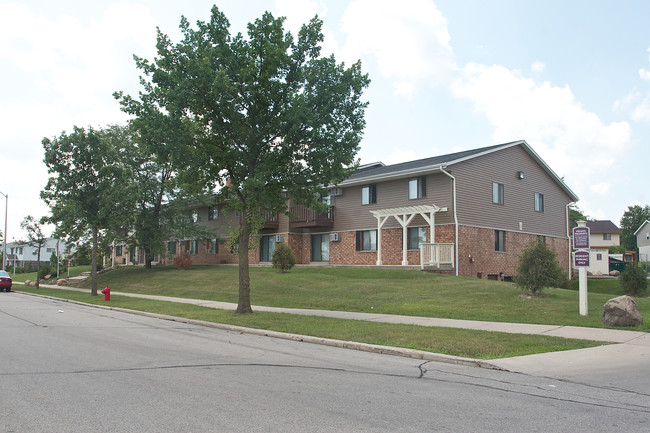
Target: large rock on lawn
{"points": [[621, 311]]}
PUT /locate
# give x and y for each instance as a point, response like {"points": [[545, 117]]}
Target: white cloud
{"points": [[538, 67], [644, 74], [550, 120], [408, 39]]}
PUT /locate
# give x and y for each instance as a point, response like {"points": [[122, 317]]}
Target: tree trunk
{"points": [[244, 304], [38, 267], [93, 264], [147, 258]]}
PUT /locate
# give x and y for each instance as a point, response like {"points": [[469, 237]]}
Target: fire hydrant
{"points": [[107, 294]]}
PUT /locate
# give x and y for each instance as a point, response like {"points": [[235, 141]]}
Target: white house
{"points": [[603, 234], [21, 254], [643, 241]]}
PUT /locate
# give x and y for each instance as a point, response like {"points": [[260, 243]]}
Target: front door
{"points": [[320, 248]]}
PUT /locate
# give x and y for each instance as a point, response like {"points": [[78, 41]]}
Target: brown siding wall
{"points": [[474, 193], [352, 215]]}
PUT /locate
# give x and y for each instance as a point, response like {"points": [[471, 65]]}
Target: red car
{"points": [[5, 281]]}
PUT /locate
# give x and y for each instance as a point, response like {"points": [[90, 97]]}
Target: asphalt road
{"points": [[71, 368]]}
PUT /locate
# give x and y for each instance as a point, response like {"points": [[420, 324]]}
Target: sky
{"points": [[572, 78]]}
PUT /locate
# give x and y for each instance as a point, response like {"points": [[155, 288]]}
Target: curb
{"points": [[364, 347]]}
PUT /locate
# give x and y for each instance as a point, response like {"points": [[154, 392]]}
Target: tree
{"points": [[35, 238], [268, 116], [90, 189], [631, 220], [538, 268], [575, 215], [634, 279]]}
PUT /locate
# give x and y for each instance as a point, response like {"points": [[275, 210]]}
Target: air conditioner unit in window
{"points": [[336, 191], [335, 237], [279, 238]]}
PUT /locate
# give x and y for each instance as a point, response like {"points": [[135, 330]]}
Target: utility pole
{"points": [[4, 252]]}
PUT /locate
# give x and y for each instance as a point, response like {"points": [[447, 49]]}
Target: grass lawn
{"points": [[74, 271], [457, 342], [389, 291]]}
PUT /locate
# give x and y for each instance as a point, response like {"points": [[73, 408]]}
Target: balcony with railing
{"points": [[437, 256], [271, 221], [305, 217]]}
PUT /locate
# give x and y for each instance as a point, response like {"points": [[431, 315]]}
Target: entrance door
{"points": [[267, 246], [320, 248]]}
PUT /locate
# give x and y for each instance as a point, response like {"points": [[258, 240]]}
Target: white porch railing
{"points": [[437, 255]]}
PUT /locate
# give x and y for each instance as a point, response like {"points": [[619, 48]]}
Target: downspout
{"points": [[453, 187], [568, 234]]}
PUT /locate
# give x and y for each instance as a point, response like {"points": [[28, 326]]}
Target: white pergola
{"points": [[404, 215]]}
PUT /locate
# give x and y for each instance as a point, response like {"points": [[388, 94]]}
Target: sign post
{"points": [[581, 261]]}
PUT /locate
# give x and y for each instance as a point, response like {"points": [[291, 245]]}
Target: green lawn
{"points": [[457, 342], [387, 291]]}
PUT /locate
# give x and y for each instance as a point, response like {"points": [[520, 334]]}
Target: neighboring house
{"points": [[602, 235], [643, 241], [21, 254], [467, 213]]}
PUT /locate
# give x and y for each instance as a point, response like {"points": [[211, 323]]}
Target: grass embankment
{"points": [[365, 290], [388, 291]]}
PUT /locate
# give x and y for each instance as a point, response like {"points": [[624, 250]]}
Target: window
{"points": [[267, 246], [367, 240], [191, 247], [416, 236], [118, 250], [49, 250], [212, 246], [213, 213], [607, 236], [541, 239], [324, 199], [369, 194], [171, 248], [599, 256], [194, 216], [499, 240], [497, 193], [539, 202], [417, 187]]}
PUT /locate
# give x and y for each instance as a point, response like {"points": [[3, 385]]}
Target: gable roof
{"points": [[602, 226], [639, 229], [437, 163]]}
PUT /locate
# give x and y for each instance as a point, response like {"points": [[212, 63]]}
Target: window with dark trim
{"points": [[416, 236], [212, 246], [369, 194], [194, 216], [118, 250], [171, 248], [417, 187], [497, 193], [539, 202], [607, 236], [499, 240], [191, 247], [213, 213], [367, 240]]}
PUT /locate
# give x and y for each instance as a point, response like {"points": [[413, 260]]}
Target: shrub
{"points": [[46, 270], [634, 279], [538, 268], [183, 261], [283, 258]]}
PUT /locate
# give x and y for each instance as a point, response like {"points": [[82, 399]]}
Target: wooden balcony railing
{"points": [[305, 217], [271, 221]]}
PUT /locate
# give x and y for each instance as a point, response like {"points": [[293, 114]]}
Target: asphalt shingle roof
{"points": [[602, 226]]}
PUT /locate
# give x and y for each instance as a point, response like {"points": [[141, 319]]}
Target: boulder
{"points": [[47, 277], [61, 282], [621, 311], [27, 282], [614, 273]]}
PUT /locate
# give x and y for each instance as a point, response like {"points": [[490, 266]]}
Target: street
{"points": [[71, 368]]}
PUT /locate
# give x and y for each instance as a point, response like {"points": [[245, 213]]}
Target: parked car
{"points": [[5, 281]]}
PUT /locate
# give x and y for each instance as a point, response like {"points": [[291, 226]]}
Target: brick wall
{"points": [[478, 244]]}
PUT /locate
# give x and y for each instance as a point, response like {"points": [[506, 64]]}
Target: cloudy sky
{"points": [[572, 78]]}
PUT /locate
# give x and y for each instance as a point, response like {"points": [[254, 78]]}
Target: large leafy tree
{"points": [[35, 238], [90, 190], [268, 116], [631, 220]]}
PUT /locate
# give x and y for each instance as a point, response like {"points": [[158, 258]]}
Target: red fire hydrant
{"points": [[107, 294]]}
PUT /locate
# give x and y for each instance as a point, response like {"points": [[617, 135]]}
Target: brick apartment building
{"points": [[467, 213]]}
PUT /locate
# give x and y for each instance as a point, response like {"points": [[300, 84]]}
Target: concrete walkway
{"points": [[632, 344]]}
